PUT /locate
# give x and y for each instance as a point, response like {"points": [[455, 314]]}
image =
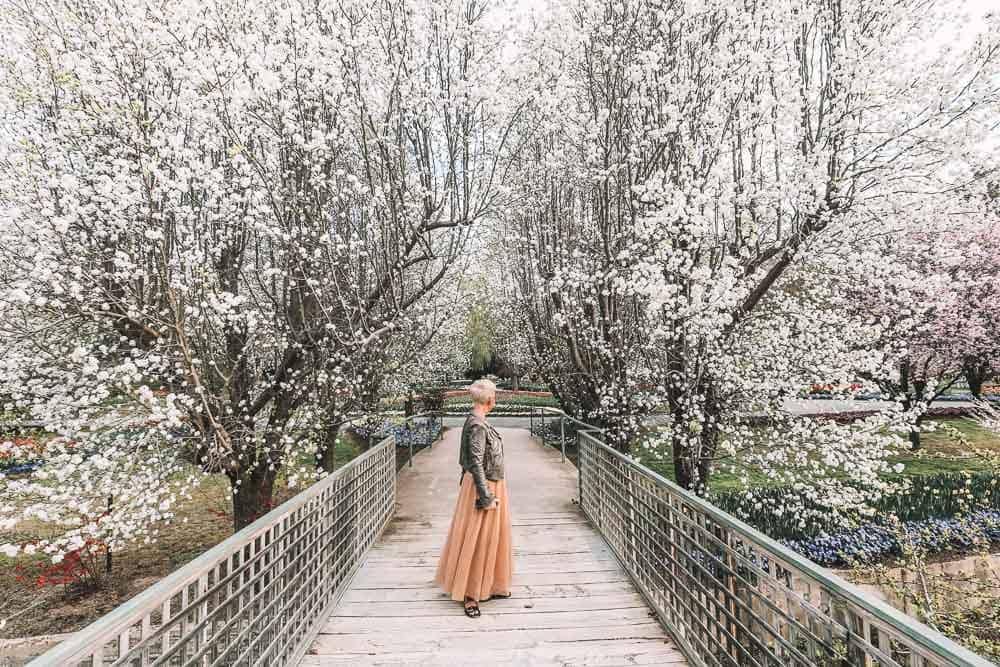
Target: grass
{"points": [[944, 444], [201, 522], [941, 452]]}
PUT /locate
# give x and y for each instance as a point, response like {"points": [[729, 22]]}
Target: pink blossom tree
{"points": [[975, 319], [912, 303], [933, 303]]}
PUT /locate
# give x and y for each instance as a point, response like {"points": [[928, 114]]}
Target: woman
{"points": [[478, 560]]}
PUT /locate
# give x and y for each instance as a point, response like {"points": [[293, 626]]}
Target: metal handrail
{"points": [[563, 417], [731, 595], [259, 597], [425, 413]]}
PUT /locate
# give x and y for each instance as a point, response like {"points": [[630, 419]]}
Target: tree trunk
{"points": [[685, 474], [975, 386], [108, 562], [693, 452], [693, 464], [911, 392], [254, 496], [976, 373], [914, 435], [328, 457]]}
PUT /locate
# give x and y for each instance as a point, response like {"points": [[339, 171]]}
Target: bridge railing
{"points": [[729, 594], [261, 596]]}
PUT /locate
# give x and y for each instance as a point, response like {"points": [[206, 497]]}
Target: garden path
{"points": [[572, 602]]}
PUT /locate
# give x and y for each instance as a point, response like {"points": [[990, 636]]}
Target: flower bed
{"points": [[457, 402], [831, 389], [874, 542], [20, 455], [519, 408], [419, 433], [928, 497]]}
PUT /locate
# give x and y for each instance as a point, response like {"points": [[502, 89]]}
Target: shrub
{"points": [[928, 497], [80, 568], [433, 398]]}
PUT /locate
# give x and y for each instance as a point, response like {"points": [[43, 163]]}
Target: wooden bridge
{"points": [[637, 571], [572, 602]]}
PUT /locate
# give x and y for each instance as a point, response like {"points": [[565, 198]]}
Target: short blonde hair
{"points": [[482, 391]]}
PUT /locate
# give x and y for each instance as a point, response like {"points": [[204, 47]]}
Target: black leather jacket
{"points": [[481, 455]]}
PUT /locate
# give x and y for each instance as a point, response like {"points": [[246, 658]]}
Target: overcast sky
{"points": [[968, 27]]}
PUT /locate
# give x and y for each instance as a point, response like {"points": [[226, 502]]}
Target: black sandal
{"points": [[472, 610], [500, 597]]}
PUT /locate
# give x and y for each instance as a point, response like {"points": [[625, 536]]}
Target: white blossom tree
{"points": [[702, 179], [215, 216]]}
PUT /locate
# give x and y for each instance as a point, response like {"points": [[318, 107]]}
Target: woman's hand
{"points": [[486, 502], [495, 504]]}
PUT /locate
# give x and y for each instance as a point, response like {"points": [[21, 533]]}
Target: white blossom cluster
{"points": [[222, 225], [225, 225], [713, 195]]}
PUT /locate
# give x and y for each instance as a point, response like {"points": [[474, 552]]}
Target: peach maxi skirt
{"points": [[478, 559]]}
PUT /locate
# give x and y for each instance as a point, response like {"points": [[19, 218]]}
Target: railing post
{"points": [[562, 436], [579, 469], [630, 534]]}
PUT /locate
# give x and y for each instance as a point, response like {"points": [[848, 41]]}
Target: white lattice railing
{"points": [[259, 597], [730, 595]]}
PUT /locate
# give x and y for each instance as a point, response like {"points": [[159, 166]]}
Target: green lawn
{"points": [[941, 452]]}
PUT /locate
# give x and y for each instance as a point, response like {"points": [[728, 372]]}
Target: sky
{"points": [[967, 28]]}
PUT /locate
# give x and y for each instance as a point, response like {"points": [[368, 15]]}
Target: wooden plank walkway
{"points": [[572, 604]]}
